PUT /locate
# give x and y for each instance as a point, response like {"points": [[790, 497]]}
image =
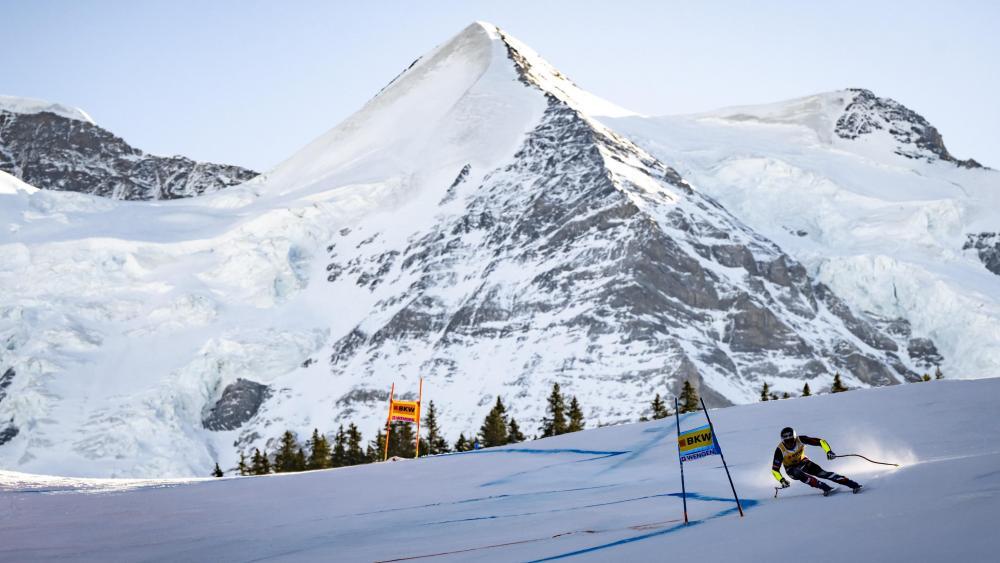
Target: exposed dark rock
{"points": [[5, 380], [863, 329], [987, 246], [459, 180], [53, 152], [899, 328], [917, 138], [8, 433], [239, 403], [361, 395], [924, 353], [753, 328]]}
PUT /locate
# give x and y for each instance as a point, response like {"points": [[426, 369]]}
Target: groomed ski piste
{"points": [[610, 493]]}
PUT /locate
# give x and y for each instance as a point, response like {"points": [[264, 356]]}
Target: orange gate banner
{"points": [[404, 411]]}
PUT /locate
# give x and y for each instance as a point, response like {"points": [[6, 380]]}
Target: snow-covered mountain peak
{"points": [[459, 104], [15, 104], [539, 72], [469, 91], [914, 137], [854, 119]]}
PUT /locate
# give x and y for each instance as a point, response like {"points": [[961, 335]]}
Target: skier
{"points": [[791, 452]]}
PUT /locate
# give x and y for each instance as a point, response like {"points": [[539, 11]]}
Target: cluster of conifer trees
{"points": [[347, 447], [499, 428], [838, 387]]}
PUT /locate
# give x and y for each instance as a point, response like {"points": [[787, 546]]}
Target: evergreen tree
{"points": [[660, 409], [785, 396], [319, 451], [436, 444], [838, 386], [242, 466], [765, 393], [402, 440], [576, 422], [938, 374], [462, 444], [260, 464], [514, 434], [555, 423], [338, 455], [355, 455], [689, 398], [926, 377], [806, 391], [286, 459], [376, 449], [493, 432], [217, 472]]}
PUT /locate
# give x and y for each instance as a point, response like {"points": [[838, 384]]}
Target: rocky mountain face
{"points": [[987, 247], [54, 151], [867, 113], [586, 261]]}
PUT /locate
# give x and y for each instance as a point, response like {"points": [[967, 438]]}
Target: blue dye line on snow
{"points": [[691, 496], [662, 432], [552, 510], [512, 476], [479, 499], [539, 451], [747, 504]]}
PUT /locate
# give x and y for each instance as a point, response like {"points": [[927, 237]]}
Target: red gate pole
{"points": [[420, 408], [388, 420]]}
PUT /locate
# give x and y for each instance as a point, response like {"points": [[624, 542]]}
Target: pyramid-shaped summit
{"points": [[509, 241]]}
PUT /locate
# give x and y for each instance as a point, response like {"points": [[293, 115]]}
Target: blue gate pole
{"points": [[677, 413], [719, 447]]}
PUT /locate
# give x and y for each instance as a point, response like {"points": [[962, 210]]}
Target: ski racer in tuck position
{"points": [[791, 452]]}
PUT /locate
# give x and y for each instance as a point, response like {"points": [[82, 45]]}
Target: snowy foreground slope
{"points": [[605, 494]]}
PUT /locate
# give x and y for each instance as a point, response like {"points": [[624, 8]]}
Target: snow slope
{"points": [[605, 494], [883, 216]]}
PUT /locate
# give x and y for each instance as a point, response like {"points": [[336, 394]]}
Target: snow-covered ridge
{"points": [[855, 114], [548, 78], [30, 105], [53, 147], [847, 183]]}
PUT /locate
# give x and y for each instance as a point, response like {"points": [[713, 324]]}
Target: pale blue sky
{"points": [[251, 82]]}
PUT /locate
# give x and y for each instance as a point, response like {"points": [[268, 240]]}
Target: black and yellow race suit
{"points": [[801, 468]]}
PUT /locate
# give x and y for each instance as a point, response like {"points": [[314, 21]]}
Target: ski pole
{"points": [[868, 460], [776, 489]]}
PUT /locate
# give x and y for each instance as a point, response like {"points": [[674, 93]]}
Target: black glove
{"points": [[830, 455], [784, 483]]}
